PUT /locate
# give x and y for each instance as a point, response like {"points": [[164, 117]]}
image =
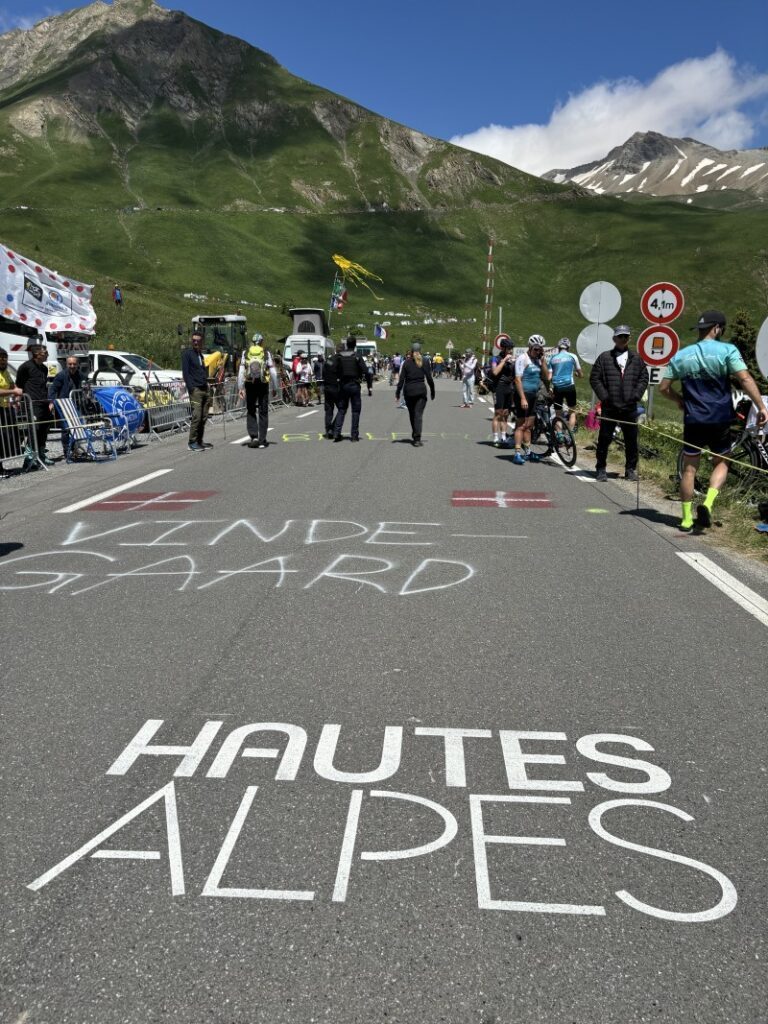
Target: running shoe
{"points": [[703, 517], [519, 460]]}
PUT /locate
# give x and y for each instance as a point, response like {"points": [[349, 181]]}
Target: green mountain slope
{"points": [[152, 150]]}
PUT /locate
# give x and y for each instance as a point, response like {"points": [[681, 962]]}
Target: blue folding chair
{"points": [[93, 440]]}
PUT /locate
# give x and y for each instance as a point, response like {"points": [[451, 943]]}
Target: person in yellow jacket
{"points": [[253, 381]]}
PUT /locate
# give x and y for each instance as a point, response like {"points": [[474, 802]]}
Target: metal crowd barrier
{"points": [[226, 401], [166, 411], [19, 451]]}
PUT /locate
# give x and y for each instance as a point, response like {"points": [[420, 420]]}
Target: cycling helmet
{"points": [[564, 343], [536, 341], [257, 338]]}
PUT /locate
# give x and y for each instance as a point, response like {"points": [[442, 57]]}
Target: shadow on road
{"points": [[9, 547]]}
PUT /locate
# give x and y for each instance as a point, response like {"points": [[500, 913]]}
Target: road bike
{"points": [[551, 434]]}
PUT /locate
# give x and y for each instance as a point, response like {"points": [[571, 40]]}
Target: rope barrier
{"points": [[679, 440]]}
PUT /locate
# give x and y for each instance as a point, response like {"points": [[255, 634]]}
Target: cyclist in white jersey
{"points": [[530, 370]]}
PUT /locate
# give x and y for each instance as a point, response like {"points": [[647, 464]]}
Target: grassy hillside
{"points": [[431, 263]]}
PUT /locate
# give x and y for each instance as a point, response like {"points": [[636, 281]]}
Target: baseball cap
{"points": [[711, 318], [621, 329]]}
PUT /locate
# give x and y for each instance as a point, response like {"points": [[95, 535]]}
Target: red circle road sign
{"points": [[662, 303], [501, 337], [657, 345]]}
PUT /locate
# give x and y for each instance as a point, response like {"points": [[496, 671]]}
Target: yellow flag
{"points": [[356, 273]]}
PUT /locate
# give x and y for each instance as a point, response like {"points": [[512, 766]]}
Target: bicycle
{"points": [[551, 433]]}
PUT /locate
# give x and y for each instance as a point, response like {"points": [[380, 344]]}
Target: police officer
{"points": [[351, 368], [331, 393]]}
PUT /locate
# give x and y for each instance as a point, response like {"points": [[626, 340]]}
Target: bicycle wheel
{"points": [[564, 442], [541, 445]]}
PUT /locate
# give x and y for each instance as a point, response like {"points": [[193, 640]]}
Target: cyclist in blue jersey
{"points": [[530, 370], [705, 370], [564, 365]]}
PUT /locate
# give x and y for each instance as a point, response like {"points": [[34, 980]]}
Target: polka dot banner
{"points": [[31, 293]]}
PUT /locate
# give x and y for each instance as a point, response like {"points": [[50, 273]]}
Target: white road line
{"points": [[586, 479], [310, 413], [729, 585], [481, 400], [108, 494]]}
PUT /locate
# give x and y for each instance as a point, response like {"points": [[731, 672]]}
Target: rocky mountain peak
{"points": [[652, 164]]}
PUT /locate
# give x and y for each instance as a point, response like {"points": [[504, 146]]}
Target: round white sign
{"points": [[761, 349], [593, 340], [600, 302]]}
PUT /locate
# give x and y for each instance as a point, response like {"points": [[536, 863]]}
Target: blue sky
{"points": [[537, 84]]}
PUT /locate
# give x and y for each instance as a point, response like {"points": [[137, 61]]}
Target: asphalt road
{"points": [[511, 763]]}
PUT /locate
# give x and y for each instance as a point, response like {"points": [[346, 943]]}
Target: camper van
{"points": [[16, 338], [310, 334]]}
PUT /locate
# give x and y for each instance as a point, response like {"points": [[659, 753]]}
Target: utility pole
{"points": [[488, 314]]}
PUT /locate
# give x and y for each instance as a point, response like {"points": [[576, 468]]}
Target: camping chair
{"points": [[84, 436]]}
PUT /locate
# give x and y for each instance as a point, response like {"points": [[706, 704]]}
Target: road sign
{"points": [[600, 302], [662, 303], [497, 340], [655, 374], [761, 348], [593, 340], [657, 344], [449, 344]]}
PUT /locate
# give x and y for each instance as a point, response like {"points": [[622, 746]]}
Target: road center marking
{"points": [[750, 601], [310, 413], [500, 499], [108, 494]]}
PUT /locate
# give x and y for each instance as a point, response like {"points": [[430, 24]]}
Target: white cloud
{"points": [[701, 98], [10, 20]]}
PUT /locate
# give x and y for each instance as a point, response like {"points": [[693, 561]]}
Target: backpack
{"points": [[255, 370]]}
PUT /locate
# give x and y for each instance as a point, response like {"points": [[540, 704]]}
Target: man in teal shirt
{"points": [[705, 370]]}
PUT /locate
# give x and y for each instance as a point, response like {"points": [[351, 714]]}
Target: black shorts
{"points": [[565, 394], [523, 414], [502, 398], [714, 436]]}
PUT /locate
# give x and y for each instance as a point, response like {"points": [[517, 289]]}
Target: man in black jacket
{"points": [[351, 368], [619, 378], [32, 378], [331, 393]]}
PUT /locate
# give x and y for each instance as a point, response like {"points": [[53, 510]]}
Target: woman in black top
{"points": [[415, 377]]}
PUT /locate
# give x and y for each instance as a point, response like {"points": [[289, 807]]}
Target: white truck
{"points": [[15, 338]]}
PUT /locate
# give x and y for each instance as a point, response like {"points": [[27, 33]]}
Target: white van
{"points": [[128, 369], [16, 338], [310, 334]]}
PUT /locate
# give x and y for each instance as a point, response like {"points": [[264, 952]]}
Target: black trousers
{"points": [[349, 395], [416, 405], [43, 419], [605, 437], [331, 396], [257, 397]]}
